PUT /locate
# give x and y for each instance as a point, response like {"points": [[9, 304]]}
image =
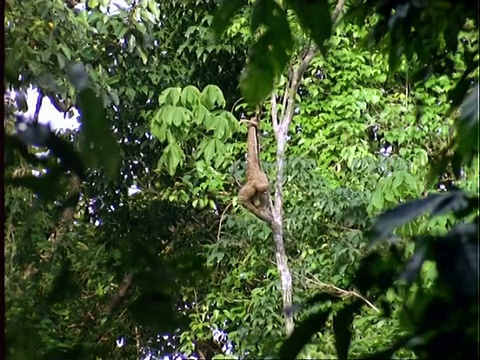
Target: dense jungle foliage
{"points": [[124, 238]]}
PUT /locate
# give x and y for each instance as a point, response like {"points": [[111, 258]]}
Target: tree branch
{"points": [[62, 107], [273, 102], [339, 292], [280, 126], [38, 106], [120, 295]]}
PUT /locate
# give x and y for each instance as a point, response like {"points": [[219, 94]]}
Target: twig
{"points": [[235, 104], [221, 220], [273, 101], [137, 340], [341, 292]]}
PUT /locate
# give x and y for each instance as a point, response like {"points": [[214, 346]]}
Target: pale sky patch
{"points": [[48, 114]]}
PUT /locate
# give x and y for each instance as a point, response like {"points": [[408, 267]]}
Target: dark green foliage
{"points": [[314, 17], [224, 14], [269, 54], [468, 127], [98, 146], [437, 204], [196, 261], [292, 346], [342, 323]]}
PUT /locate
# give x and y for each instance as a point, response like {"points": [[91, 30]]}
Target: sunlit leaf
{"points": [[170, 96], [200, 114], [190, 97], [209, 150], [378, 199], [212, 96]]}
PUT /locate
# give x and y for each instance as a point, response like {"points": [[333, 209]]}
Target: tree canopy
{"points": [[124, 238]]}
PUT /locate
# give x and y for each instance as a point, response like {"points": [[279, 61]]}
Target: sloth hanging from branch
{"points": [[254, 195]]}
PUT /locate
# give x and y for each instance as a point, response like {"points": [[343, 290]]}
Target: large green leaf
{"points": [[99, 148], [302, 334], [437, 203], [190, 97], [212, 96], [342, 328], [314, 16], [224, 14], [467, 124]]}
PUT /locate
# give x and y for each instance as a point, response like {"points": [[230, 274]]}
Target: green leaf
{"points": [[467, 124], [212, 96], [190, 97], [407, 212], [314, 17], [257, 81], [66, 51], [170, 96], [130, 94], [342, 325], [172, 157], [302, 334], [388, 195], [398, 179], [378, 199], [221, 128], [223, 15], [200, 114], [77, 75], [61, 61], [221, 150], [173, 115], [209, 151], [159, 130], [98, 146]]}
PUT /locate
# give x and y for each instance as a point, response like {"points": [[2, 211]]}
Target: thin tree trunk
{"points": [[281, 121]]}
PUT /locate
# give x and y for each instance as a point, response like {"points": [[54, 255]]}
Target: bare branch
{"points": [[334, 290], [338, 9], [38, 106], [120, 295], [274, 112], [285, 92], [221, 220], [57, 103]]}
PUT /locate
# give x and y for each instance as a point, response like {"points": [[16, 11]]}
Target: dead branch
{"points": [[336, 291]]}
